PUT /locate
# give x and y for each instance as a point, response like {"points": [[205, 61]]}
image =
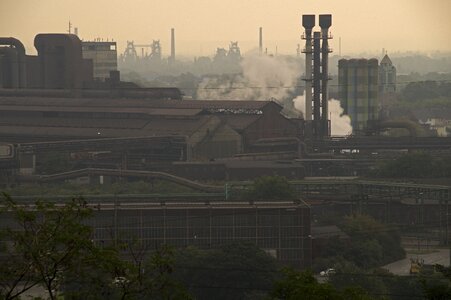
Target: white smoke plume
{"points": [[340, 123], [299, 104], [263, 78]]}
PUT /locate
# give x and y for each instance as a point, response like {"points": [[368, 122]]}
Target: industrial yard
{"points": [[197, 173]]}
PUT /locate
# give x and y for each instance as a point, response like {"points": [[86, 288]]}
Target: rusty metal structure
{"points": [[156, 50], [234, 51], [130, 53]]}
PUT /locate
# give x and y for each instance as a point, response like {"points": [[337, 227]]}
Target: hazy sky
{"points": [[203, 25]]}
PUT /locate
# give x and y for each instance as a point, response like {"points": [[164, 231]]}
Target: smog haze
{"points": [[202, 26]]}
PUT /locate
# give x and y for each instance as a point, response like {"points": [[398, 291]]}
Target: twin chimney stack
{"points": [[317, 74]]}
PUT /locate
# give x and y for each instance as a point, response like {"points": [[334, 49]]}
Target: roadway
{"points": [[402, 267]]}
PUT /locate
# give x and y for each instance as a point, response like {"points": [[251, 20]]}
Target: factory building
{"points": [[54, 97], [358, 91], [103, 56], [282, 229], [63, 63], [58, 65], [44, 118], [26, 119], [387, 84], [387, 76], [255, 121]]}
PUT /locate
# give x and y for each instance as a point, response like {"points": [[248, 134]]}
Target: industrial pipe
{"points": [[21, 65]]}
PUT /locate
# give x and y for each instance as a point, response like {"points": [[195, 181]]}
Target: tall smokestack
{"points": [[308, 22], [260, 42], [317, 83], [172, 45], [325, 21]]}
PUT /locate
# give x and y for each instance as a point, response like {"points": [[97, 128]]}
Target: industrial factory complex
{"points": [[69, 101]]}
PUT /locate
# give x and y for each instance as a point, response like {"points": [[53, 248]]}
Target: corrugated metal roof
{"points": [[240, 122], [135, 103], [74, 122], [215, 104], [130, 110], [106, 128]]}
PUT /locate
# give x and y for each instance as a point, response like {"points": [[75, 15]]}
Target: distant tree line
{"points": [[421, 90]]}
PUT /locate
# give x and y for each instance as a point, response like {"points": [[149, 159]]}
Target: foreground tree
{"points": [[302, 285], [239, 270], [371, 244], [50, 246], [42, 242], [438, 285]]}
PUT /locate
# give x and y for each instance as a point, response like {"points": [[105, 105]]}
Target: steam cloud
{"points": [[339, 122], [264, 77]]}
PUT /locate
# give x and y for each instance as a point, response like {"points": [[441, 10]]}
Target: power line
{"points": [[232, 87]]}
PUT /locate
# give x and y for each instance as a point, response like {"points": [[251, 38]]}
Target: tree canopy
{"points": [[271, 188], [50, 246], [415, 165], [238, 270], [302, 285]]}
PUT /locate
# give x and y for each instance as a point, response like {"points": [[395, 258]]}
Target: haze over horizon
{"points": [[202, 26]]}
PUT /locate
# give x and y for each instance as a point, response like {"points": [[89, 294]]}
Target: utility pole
{"points": [[447, 231]]}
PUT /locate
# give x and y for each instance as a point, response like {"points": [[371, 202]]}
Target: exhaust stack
{"points": [[172, 58], [308, 22], [260, 41], [317, 74], [325, 21]]}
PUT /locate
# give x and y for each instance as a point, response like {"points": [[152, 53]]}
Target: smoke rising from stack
{"points": [[260, 74], [340, 123], [263, 78]]}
